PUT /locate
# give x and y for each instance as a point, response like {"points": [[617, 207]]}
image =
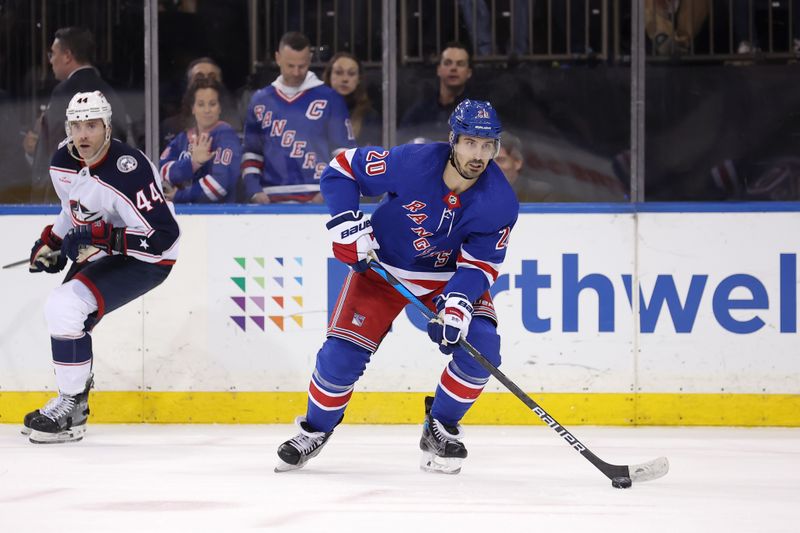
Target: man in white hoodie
{"points": [[294, 127]]}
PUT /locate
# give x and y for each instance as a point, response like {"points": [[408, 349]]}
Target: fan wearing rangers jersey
{"points": [[443, 229], [293, 127], [201, 164], [122, 238]]}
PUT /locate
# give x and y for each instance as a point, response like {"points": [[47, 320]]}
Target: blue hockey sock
{"points": [[455, 394], [326, 403]]}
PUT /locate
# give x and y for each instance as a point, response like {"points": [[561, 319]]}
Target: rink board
{"points": [[232, 335]]}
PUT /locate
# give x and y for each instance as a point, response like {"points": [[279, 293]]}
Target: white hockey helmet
{"points": [[88, 106]]}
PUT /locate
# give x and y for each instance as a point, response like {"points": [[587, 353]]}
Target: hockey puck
{"points": [[621, 482]]}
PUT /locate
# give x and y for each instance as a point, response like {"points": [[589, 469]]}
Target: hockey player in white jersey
{"points": [[122, 238]]}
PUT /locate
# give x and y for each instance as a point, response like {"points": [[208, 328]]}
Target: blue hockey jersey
{"points": [[428, 236], [216, 179], [288, 140]]}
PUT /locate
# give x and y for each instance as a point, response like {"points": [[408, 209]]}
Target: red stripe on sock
{"points": [[326, 399], [460, 388]]}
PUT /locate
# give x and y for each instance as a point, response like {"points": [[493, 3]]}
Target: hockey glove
{"points": [[452, 321], [351, 233], [43, 258], [79, 241]]}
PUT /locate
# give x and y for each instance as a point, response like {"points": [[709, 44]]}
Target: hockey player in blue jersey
{"points": [[443, 229], [122, 238], [293, 127], [201, 164]]}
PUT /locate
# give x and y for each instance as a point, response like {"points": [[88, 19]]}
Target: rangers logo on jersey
{"points": [[127, 163], [358, 320]]}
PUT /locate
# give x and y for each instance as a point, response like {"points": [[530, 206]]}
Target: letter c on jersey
{"points": [[315, 108]]}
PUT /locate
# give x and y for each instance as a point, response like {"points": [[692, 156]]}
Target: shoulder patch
{"points": [[127, 163]]}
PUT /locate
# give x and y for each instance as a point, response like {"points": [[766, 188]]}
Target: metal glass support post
{"points": [[151, 78], [389, 71], [637, 101]]}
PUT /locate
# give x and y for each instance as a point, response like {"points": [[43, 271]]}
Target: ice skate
{"points": [[442, 449], [26, 422], [295, 452], [63, 419]]}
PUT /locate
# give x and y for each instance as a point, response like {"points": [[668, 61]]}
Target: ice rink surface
{"points": [[220, 478]]}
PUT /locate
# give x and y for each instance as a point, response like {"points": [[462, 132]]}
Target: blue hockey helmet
{"points": [[475, 118]]}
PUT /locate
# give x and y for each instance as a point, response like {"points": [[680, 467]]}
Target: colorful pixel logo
{"points": [[269, 288]]}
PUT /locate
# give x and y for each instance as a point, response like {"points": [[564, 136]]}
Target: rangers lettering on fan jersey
{"points": [[215, 180], [123, 189], [429, 237], [289, 140]]}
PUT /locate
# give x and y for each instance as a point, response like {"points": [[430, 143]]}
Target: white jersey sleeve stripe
{"points": [[490, 270], [165, 170], [341, 163], [212, 188], [251, 156]]}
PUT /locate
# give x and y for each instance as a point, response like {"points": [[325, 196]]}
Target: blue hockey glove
{"points": [[42, 257], [452, 321], [351, 233], [98, 235]]}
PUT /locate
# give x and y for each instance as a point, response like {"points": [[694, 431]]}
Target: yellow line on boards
{"points": [[616, 409]]}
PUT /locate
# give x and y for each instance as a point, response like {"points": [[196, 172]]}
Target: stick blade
{"points": [[649, 471]]}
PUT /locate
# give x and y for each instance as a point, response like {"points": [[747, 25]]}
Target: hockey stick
{"points": [[621, 476], [48, 255]]}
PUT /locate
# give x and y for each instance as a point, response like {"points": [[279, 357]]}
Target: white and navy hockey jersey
{"points": [[429, 237], [123, 189], [216, 180], [288, 140]]}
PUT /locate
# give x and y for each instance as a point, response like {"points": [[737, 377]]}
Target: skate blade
{"points": [[26, 430], [74, 434], [431, 462], [283, 466]]}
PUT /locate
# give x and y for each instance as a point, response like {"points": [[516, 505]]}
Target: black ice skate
{"points": [[26, 422], [63, 419], [442, 449], [295, 452]]}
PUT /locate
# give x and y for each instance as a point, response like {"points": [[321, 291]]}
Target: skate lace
{"points": [[444, 433], [58, 407], [305, 443]]}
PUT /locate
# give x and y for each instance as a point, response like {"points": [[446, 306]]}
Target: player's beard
{"points": [[465, 171]]}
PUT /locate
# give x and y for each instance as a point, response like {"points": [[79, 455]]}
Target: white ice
{"points": [[521, 479]]}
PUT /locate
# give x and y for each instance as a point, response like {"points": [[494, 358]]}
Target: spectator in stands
{"points": [[672, 24], [511, 162], [201, 164], [344, 74], [71, 56], [429, 115], [293, 128], [208, 68]]}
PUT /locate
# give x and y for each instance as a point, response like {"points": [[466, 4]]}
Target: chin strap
{"points": [[455, 166], [88, 162]]}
